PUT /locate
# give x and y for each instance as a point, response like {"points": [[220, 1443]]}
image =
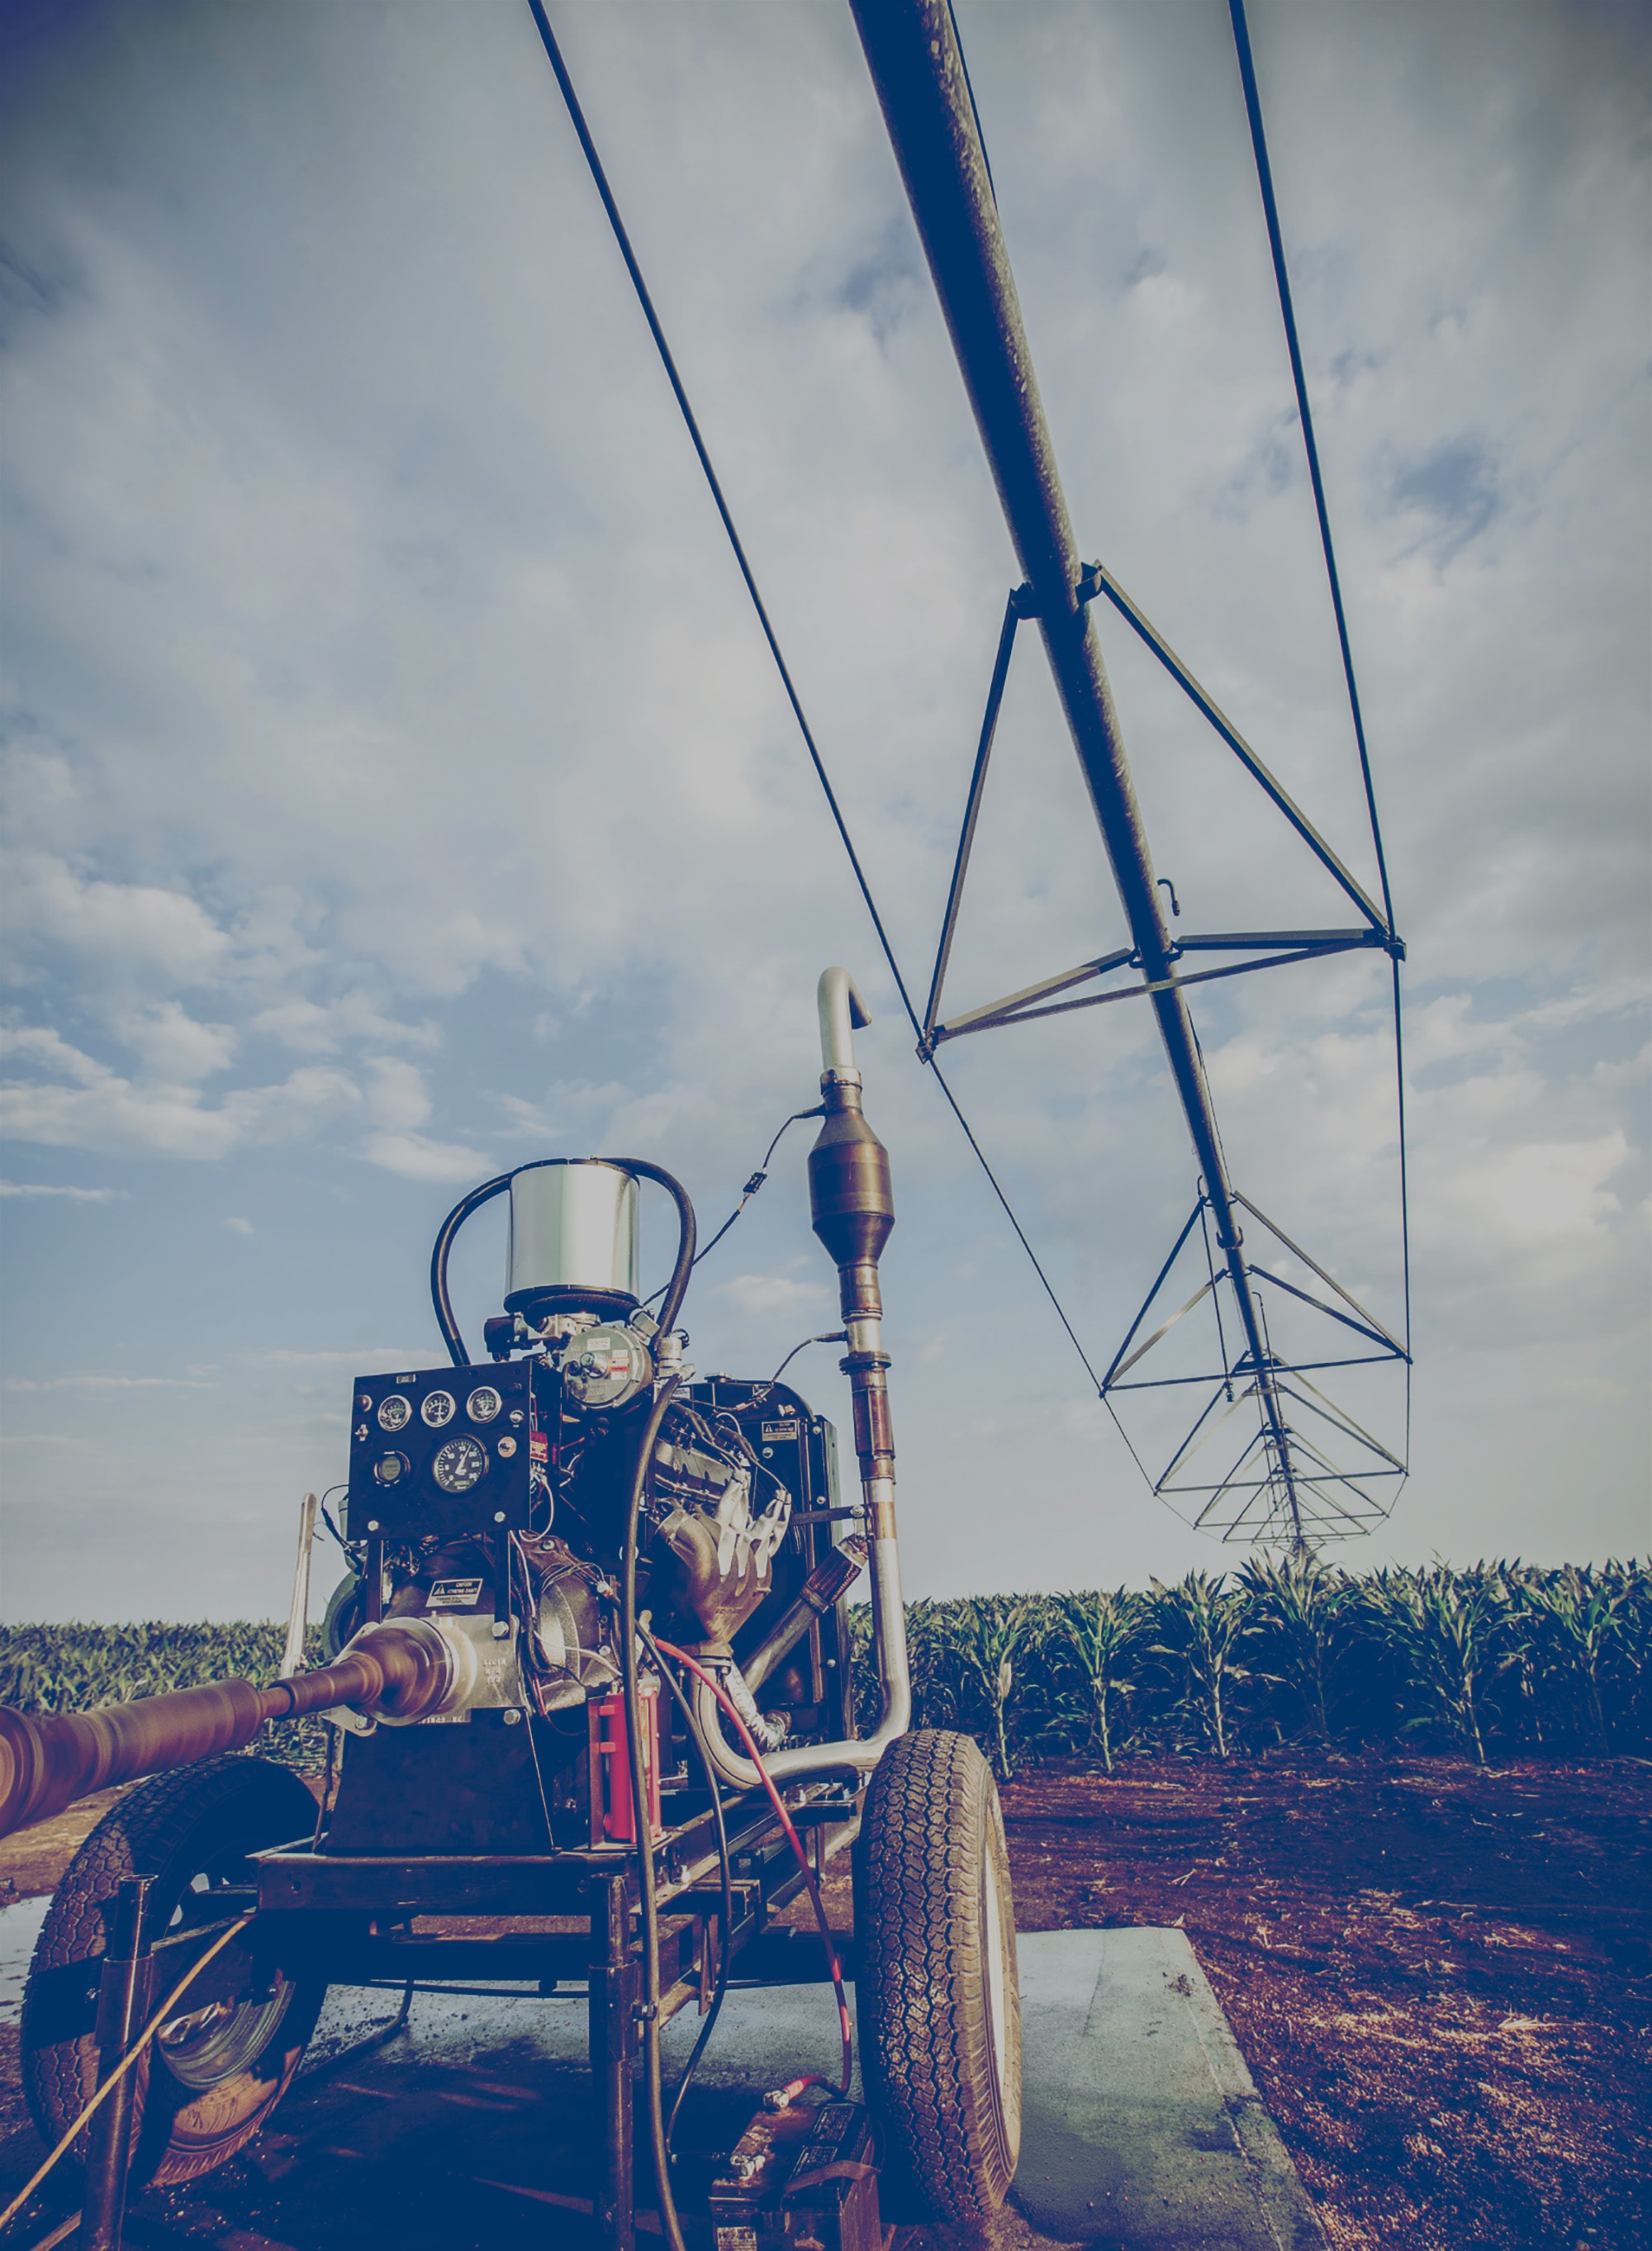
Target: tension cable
{"points": [[599, 179]]}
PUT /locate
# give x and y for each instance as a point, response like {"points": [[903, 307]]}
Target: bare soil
{"points": [[1441, 1976]]}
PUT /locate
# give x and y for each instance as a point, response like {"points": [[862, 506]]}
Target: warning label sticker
{"points": [[773, 1430], [455, 1595]]}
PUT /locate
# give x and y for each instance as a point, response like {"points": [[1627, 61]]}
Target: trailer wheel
{"points": [[214, 2072], [939, 2007]]}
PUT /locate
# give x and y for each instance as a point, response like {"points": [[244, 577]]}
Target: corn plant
{"points": [[1454, 1633], [1301, 1611], [1583, 1617], [987, 1634], [1200, 1626], [1101, 1633]]}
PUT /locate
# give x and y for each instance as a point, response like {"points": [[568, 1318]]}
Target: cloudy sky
{"points": [[397, 787]]}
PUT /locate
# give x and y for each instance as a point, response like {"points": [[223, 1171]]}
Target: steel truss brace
{"points": [[917, 69]]}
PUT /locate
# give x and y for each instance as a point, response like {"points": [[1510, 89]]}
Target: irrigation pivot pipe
{"points": [[917, 68]]}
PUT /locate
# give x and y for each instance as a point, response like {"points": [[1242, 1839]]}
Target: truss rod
{"points": [[912, 50], [1098, 581]]}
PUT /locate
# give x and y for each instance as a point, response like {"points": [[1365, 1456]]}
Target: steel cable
{"points": [[600, 180], [1287, 315]]}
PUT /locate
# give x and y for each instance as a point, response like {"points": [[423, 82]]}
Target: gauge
{"points": [[439, 1408], [395, 1412], [483, 1405], [459, 1464], [390, 1469], [506, 1448]]}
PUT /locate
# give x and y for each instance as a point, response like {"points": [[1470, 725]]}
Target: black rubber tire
{"points": [[938, 2005], [192, 1831]]}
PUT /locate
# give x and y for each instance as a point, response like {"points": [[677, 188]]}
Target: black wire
{"points": [[832, 1336], [1049, 1287], [752, 1185], [969, 87], [1270, 209], [600, 179], [1276, 244], [725, 1873], [641, 1828]]}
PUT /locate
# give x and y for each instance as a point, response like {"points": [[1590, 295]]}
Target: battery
{"points": [[800, 2180]]}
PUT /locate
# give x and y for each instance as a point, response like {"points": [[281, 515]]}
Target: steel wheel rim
{"points": [[992, 1948]]}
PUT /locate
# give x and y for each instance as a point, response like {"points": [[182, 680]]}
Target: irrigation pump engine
{"points": [[592, 1672]]}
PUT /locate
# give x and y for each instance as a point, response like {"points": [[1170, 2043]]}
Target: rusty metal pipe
{"points": [[48, 1760]]}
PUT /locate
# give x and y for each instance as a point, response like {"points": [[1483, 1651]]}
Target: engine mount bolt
{"points": [[513, 1717], [501, 1629], [372, 1524]]}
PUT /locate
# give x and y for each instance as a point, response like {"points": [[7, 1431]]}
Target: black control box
{"points": [[443, 1451]]}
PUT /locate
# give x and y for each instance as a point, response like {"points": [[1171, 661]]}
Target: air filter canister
{"points": [[573, 1239]]}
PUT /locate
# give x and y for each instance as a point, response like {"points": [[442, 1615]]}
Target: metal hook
{"points": [[1166, 885]]}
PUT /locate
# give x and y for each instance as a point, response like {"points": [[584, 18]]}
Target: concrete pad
{"points": [[1142, 2127], [19, 1928]]}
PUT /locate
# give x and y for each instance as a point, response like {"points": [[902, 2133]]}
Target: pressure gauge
{"points": [[390, 1469], [483, 1405], [395, 1412], [438, 1409], [459, 1464]]}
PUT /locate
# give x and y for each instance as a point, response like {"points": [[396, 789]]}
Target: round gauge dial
{"points": [[390, 1469], [459, 1464], [395, 1412], [483, 1405], [439, 1408]]}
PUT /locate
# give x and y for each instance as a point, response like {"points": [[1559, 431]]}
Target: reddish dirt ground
{"points": [[1441, 1978]]}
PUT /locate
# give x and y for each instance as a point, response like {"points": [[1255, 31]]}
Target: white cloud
{"points": [[416, 1159], [87, 1106], [72, 1196], [101, 1382], [174, 1047], [240, 1226], [127, 928], [757, 1297], [385, 702]]}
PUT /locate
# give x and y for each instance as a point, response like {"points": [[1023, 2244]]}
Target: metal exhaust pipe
{"points": [[854, 1207]]}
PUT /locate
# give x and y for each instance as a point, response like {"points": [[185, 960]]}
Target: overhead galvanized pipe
{"points": [[912, 50]]}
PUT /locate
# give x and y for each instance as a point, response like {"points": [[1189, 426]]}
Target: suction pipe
{"points": [[854, 1208]]}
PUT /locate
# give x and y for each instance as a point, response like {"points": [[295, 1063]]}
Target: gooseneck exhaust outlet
{"points": [[853, 1204]]}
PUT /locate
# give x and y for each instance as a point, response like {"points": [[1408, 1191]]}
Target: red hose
{"points": [[814, 2079]]}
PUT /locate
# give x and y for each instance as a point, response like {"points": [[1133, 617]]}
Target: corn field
{"points": [[1499, 1658]]}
